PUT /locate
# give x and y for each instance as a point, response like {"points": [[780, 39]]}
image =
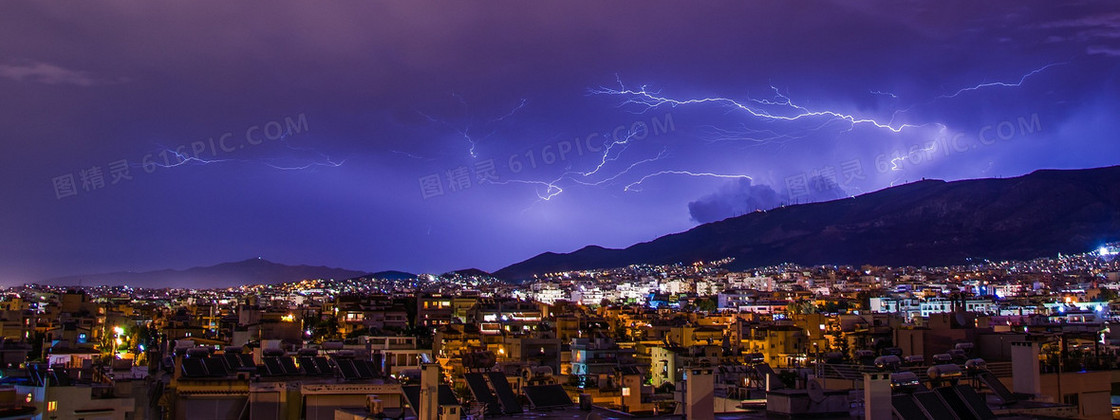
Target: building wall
{"points": [[1089, 391]]}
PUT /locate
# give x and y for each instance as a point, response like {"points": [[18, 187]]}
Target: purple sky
{"points": [[395, 94]]}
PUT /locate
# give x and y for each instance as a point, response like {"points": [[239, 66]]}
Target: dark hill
{"points": [[251, 271], [922, 223], [388, 275]]}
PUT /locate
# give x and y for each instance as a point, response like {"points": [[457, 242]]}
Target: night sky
{"points": [[427, 137]]}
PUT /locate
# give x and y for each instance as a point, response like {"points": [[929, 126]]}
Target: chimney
{"points": [[877, 396], [700, 394], [429, 392], [1025, 364]]}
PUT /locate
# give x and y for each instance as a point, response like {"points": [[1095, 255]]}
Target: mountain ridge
{"points": [[221, 275], [928, 222]]}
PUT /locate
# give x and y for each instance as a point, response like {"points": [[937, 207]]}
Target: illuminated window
{"points": [[52, 406]]}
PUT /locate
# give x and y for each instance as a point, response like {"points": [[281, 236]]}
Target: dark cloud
{"points": [[735, 198]]}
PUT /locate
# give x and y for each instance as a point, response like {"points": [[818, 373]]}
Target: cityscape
{"points": [[621, 342], [577, 210]]}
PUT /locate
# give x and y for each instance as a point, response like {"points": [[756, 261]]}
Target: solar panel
{"points": [[447, 396], [61, 376], [934, 405], [482, 392], [37, 374], [272, 366], [905, 407], [997, 387], [215, 366], [975, 402], [765, 369], [363, 369], [412, 394], [193, 367], [956, 404], [510, 403], [308, 366], [547, 396], [346, 367], [323, 365], [232, 361], [246, 360], [288, 365]]}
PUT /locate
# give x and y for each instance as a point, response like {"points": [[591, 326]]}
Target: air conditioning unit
{"points": [[375, 405]]}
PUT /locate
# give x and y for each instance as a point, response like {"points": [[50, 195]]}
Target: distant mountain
{"points": [[470, 272], [388, 275], [922, 223], [251, 271]]}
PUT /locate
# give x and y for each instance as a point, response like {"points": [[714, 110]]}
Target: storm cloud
{"points": [[735, 198]]}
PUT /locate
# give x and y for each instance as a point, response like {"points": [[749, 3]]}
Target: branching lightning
{"points": [[625, 142], [659, 156], [464, 129], [779, 110], [630, 187], [645, 100], [1002, 84], [181, 159], [325, 162], [174, 158], [897, 160], [552, 189]]}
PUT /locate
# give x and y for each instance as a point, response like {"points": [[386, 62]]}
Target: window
{"points": [[1071, 399]]}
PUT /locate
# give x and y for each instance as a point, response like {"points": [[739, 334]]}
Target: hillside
{"points": [[923, 223]]}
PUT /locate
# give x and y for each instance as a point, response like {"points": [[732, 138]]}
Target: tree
{"points": [[1107, 295], [801, 307], [708, 305], [666, 388], [788, 378], [325, 327], [864, 298]]}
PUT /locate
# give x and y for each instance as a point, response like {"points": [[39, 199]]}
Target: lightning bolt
{"points": [[645, 100], [895, 161], [881, 93], [326, 160], [464, 130], [779, 107], [625, 142], [552, 189], [659, 156], [758, 137], [181, 158], [1002, 84], [631, 186], [511, 112]]}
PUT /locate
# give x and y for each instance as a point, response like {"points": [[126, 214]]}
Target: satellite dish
{"points": [[816, 391]]}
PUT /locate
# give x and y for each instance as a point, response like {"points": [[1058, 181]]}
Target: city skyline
{"points": [[155, 137]]}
